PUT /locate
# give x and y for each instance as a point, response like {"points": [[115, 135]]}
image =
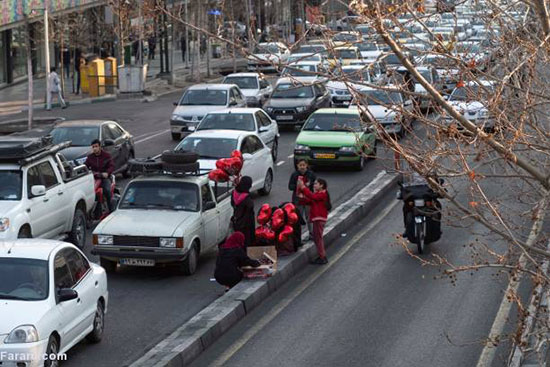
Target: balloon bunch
{"points": [[227, 167], [276, 224]]}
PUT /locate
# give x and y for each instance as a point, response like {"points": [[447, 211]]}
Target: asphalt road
{"points": [[148, 304]]}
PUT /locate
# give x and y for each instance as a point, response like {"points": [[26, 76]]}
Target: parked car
{"points": [[114, 139], [386, 107], [52, 297], [254, 86], [41, 195], [471, 102], [335, 136], [164, 219], [212, 145], [200, 99], [292, 103], [245, 119], [268, 56]]}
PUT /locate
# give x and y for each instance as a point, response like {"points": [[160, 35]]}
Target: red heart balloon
{"points": [[218, 175], [237, 154], [278, 219], [285, 234], [234, 166], [292, 218], [265, 214], [289, 208], [265, 233]]}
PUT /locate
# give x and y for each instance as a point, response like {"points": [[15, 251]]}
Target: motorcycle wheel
{"points": [[419, 229]]}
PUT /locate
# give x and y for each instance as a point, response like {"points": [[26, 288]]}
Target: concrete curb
{"points": [[106, 98], [192, 338]]}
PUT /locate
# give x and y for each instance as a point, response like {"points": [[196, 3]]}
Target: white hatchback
{"points": [[212, 145], [51, 297]]}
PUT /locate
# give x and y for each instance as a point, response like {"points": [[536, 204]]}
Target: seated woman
{"points": [[231, 257]]}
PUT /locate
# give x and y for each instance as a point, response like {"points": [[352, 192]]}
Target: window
{"points": [[264, 84], [62, 273], [78, 265], [206, 195], [48, 175], [33, 178], [319, 90], [116, 131], [263, 118], [106, 133], [254, 144]]}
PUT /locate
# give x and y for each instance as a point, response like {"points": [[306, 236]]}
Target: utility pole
{"points": [[47, 55], [186, 34], [29, 71]]}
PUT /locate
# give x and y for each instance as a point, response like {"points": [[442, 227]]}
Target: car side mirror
{"points": [[108, 142], [38, 190], [232, 102], [247, 156], [446, 97], [66, 294], [209, 205]]}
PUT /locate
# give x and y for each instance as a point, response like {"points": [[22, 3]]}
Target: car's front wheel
{"points": [[78, 231], [275, 149], [52, 351], [268, 183], [360, 163], [99, 324], [189, 265]]}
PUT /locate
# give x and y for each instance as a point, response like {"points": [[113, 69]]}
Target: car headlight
{"points": [[80, 161], [4, 224], [301, 109], [167, 242], [104, 239], [301, 147], [191, 127], [177, 118], [484, 114], [22, 334], [347, 149]]}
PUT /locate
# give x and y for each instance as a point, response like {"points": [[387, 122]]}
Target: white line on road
{"points": [[147, 134], [220, 361], [152, 136], [280, 163], [291, 156]]}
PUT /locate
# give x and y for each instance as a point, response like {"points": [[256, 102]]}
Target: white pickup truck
{"points": [[41, 195], [164, 219]]}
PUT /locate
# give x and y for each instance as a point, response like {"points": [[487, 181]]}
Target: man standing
{"points": [[183, 44], [152, 42], [101, 164], [55, 90]]}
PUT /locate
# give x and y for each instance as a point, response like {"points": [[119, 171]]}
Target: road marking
{"points": [[291, 156], [228, 354], [152, 136], [147, 134], [280, 163]]}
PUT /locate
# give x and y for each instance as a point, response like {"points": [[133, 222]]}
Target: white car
{"points": [[51, 297], [369, 50], [430, 74], [212, 145], [268, 56], [305, 72], [245, 119], [254, 87], [471, 102], [200, 99], [299, 57], [340, 91]]}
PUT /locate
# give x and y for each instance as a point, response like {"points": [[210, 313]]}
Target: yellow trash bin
{"points": [[84, 85], [96, 78], [110, 74]]}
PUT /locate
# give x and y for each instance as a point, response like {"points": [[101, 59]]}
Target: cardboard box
{"points": [[263, 271]]}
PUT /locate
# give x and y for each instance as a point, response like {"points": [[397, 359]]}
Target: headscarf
{"points": [[236, 240], [244, 185]]}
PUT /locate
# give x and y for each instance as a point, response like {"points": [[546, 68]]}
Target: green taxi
{"points": [[335, 136]]}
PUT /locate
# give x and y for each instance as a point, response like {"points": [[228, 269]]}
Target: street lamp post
{"points": [[47, 54]]}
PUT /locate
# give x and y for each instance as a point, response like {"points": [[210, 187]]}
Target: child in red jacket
{"points": [[319, 200]]}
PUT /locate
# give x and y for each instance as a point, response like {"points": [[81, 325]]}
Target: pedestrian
{"points": [[243, 219], [183, 44], [231, 257], [319, 200], [67, 62], [152, 41], [55, 90], [305, 174]]}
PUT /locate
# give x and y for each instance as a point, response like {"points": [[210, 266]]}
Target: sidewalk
{"points": [[14, 99]]}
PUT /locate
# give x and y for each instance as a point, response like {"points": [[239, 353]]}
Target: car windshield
{"points": [[231, 121], [299, 70], [333, 122], [209, 148], [365, 46], [243, 82], [204, 97], [391, 59], [10, 185], [79, 136], [356, 75], [23, 279], [170, 195], [381, 97], [312, 49], [344, 37], [345, 54], [296, 58], [471, 93], [266, 49], [292, 91]]}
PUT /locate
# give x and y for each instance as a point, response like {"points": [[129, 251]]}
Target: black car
{"points": [[114, 139], [292, 102]]}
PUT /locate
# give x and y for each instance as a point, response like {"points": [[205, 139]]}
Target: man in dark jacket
{"points": [[243, 219], [231, 257], [101, 164], [309, 178]]}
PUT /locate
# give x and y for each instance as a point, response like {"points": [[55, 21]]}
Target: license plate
{"points": [[324, 156], [343, 98], [137, 262], [284, 117]]}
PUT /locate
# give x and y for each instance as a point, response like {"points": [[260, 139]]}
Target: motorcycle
{"points": [[422, 215], [101, 207]]}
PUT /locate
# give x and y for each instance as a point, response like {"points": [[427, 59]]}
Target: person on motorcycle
{"points": [[101, 164]]}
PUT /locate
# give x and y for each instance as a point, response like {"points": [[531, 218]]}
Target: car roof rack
{"points": [[25, 150]]}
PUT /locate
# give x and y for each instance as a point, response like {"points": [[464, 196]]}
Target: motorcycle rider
{"points": [[101, 164]]}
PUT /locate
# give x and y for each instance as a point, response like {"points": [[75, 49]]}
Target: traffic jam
{"points": [[342, 89]]}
